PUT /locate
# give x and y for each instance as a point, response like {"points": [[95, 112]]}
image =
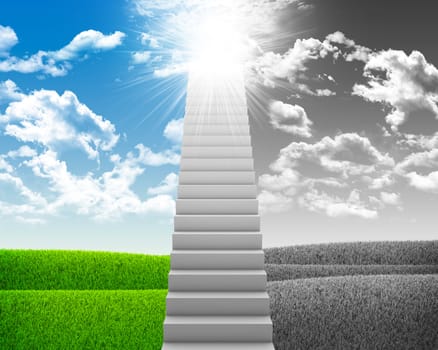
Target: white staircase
{"points": [[217, 295]]}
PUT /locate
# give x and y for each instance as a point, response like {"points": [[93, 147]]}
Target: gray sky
{"points": [[368, 171]]}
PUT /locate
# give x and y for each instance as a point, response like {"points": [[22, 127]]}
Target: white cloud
{"points": [[147, 157], [173, 69], [105, 197], [4, 165], [86, 41], [57, 63], [261, 9], [56, 122], [174, 130], [167, 186], [405, 83], [141, 57], [32, 198], [22, 152], [148, 39], [8, 39], [290, 118], [9, 91], [50, 119]]}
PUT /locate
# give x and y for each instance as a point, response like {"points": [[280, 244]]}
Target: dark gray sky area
{"points": [[358, 81]]}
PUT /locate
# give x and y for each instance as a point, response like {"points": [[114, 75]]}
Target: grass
{"points": [[356, 312], [82, 319], [358, 253], [281, 272], [96, 300], [81, 270]]}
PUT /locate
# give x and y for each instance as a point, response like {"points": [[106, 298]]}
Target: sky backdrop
{"points": [[342, 99]]}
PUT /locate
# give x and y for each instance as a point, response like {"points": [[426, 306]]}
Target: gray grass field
{"points": [[364, 295]]}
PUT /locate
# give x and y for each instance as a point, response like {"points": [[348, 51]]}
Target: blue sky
{"points": [[342, 101]]}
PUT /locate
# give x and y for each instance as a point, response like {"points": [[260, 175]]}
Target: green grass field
{"points": [[81, 270], [95, 300], [71, 319]]}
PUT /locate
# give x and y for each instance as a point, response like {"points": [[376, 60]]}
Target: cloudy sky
{"points": [[342, 100]]}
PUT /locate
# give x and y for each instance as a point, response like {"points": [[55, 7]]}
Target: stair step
{"points": [[217, 118], [217, 328], [218, 93], [213, 140], [217, 191], [207, 109], [217, 303], [219, 130], [217, 206], [217, 346], [217, 223], [216, 152], [205, 164], [217, 259], [217, 240], [217, 280], [216, 177]]}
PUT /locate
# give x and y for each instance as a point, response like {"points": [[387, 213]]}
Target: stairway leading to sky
{"points": [[217, 295]]}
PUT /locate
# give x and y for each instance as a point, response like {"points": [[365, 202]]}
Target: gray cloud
{"points": [[290, 118]]}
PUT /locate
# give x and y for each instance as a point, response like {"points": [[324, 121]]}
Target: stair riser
{"points": [[200, 261], [224, 109], [217, 306], [216, 152], [202, 164], [217, 191], [217, 241], [216, 177], [218, 130], [217, 223], [219, 119], [189, 140], [217, 332], [216, 207], [217, 346], [217, 283]]}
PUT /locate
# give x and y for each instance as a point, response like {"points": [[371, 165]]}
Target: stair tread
{"points": [[213, 294], [220, 319], [217, 233], [218, 215], [217, 272], [217, 346], [217, 251]]}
